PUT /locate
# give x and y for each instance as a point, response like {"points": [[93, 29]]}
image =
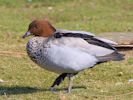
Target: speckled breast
{"points": [[35, 49]]}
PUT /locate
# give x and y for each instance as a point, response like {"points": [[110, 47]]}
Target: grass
{"points": [[24, 80]]}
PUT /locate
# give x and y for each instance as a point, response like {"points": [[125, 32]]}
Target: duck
{"points": [[67, 52]]}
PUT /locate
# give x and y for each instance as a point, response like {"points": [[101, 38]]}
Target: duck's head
{"points": [[40, 28]]}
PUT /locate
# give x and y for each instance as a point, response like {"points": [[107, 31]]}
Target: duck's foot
{"points": [[57, 82], [70, 77], [59, 79], [53, 90]]}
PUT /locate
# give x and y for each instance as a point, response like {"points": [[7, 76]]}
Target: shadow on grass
{"points": [[25, 90], [73, 88], [19, 90]]}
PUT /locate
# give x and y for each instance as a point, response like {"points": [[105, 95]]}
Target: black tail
{"points": [[115, 56]]}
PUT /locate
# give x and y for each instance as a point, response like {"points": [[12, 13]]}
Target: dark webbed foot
{"points": [[52, 89], [61, 78], [57, 81]]}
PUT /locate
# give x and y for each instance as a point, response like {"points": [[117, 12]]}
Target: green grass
{"points": [[27, 81]]}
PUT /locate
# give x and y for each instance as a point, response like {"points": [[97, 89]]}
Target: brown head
{"points": [[40, 28]]}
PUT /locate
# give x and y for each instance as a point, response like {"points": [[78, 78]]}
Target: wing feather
{"points": [[89, 38], [101, 48]]}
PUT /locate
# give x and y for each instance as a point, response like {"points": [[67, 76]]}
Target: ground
{"points": [[21, 79]]}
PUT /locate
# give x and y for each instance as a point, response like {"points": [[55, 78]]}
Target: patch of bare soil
{"points": [[119, 37], [124, 40], [12, 53]]}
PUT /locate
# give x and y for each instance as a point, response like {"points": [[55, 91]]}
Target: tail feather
{"points": [[115, 56]]}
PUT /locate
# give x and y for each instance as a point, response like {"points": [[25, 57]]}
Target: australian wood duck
{"points": [[67, 52]]}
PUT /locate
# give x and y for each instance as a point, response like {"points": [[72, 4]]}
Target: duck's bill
{"points": [[26, 34]]}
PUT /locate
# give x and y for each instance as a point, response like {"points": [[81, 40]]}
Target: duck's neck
{"points": [[48, 31]]}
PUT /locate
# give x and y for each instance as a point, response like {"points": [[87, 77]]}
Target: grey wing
{"points": [[107, 41], [102, 50], [78, 32], [87, 33], [89, 37]]}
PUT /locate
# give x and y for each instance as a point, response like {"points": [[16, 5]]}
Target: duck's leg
{"points": [[57, 81], [70, 77]]}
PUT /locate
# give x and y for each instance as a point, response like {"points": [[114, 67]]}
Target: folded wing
{"points": [[99, 47]]}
